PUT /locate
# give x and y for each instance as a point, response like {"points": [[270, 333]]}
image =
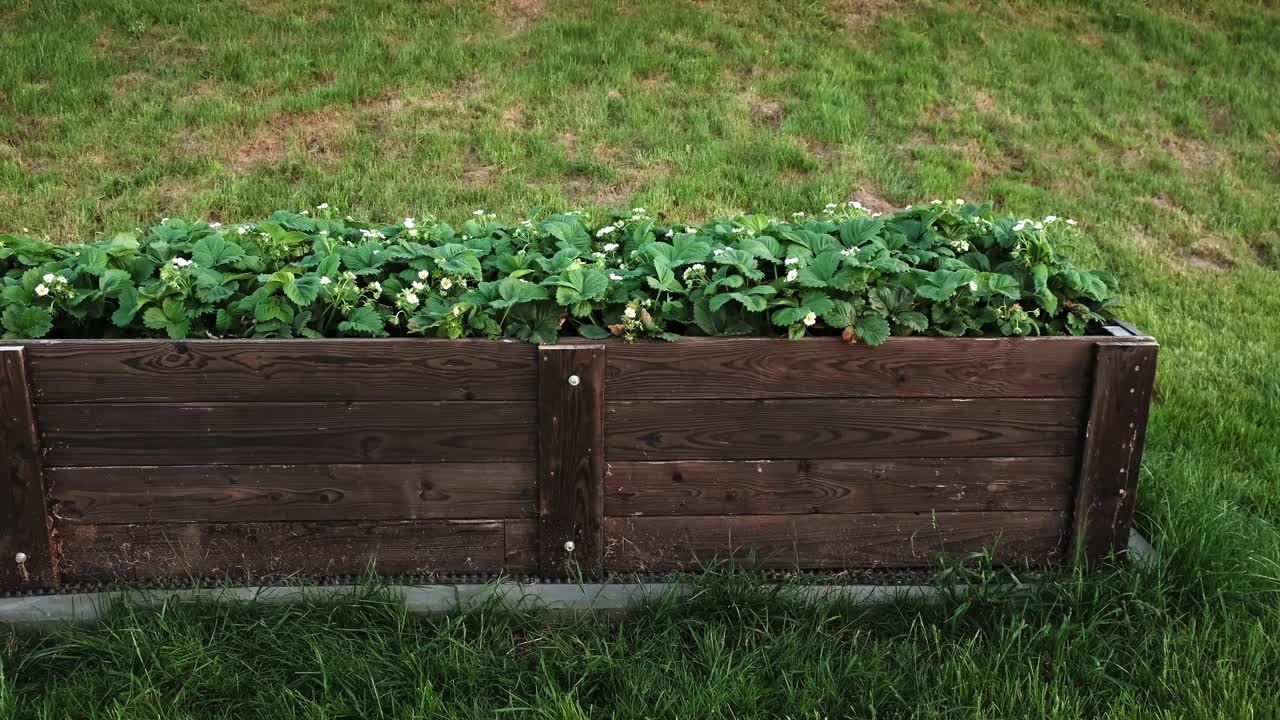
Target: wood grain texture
{"points": [[659, 430], [1112, 455], [522, 547], [235, 493], [24, 515], [97, 552], [271, 433], [570, 458], [787, 487], [829, 542], [277, 370], [827, 367]]}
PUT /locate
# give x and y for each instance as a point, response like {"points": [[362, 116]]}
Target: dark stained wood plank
{"points": [[271, 433], [522, 547], [785, 487], [27, 558], [570, 459], [94, 371], [658, 430], [646, 544], [827, 367], [1112, 454], [96, 552], [241, 493]]}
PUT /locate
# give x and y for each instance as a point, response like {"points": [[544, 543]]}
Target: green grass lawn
{"points": [[1155, 124]]}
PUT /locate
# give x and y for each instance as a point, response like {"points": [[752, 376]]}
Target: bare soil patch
{"points": [[871, 199], [863, 14], [764, 111], [1191, 154], [515, 16]]}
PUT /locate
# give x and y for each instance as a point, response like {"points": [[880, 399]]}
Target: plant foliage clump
{"points": [[940, 269]]}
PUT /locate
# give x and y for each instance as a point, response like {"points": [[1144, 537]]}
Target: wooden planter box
{"points": [[211, 458]]}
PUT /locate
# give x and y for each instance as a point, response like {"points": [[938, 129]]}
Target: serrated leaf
{"points": [[214, 250], [364, 320], [302, 291], [112, 282], [26, 321], [514, 291], [872, 329], [594, 332], [171, 317], [912, 319]]}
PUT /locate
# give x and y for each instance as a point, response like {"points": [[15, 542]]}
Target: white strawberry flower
{"points": [[637, 210], [935, 202], [409, 223], [792, 275], [959, 201], [477, 213], [325, 280], [630, 312], [855, 204], [62, 280], [215, 226], [610, 247], [445, 283], [605, 230], [615, 277], [668, 233], [1050, 219], [181, 262], [377, 286], [791, 261], [411, 299], [847, 252], [876, 214], [423, 274], [1070, 221], [797, 214], [457, 310], [49, 277], [41, 290], [973, 286], [598, 255], [242, 230], [322, 206], [810, 319], [417, 285], [831, 206]]}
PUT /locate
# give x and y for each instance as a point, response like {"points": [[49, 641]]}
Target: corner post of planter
{"points": [[1124, 376], [570, 460], [26, 554]]}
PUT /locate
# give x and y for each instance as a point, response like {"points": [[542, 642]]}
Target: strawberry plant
{"points": [[942, 269]]}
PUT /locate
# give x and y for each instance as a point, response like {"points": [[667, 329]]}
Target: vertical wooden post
{"points": [[26, 558], [1124, 376], [570, 459]]}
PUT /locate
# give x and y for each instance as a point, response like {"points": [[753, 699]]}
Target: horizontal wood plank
{"points": [[657, 430], [830, 542], [235, 493], [96, 552], [827, 367], [271, 433], [522, 547], [786, 487], [112, 371]]}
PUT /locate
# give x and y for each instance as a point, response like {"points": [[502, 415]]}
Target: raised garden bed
{"points": [[210, 458]]}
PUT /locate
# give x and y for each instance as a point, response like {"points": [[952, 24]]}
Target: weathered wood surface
{"points": [[1117, 426], [27, 557], [785, 487], [642, 544], [260, 549], [383, 369], [233, 493], [522, 547], [829, 368], [271, 433], [571, 458], [771, 429]]}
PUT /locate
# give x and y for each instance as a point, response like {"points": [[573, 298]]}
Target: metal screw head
{"points": [[569, 546], [574, 380], [20, 557]]}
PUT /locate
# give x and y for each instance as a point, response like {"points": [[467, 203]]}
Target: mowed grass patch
{"points": [[1154, 124]]}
